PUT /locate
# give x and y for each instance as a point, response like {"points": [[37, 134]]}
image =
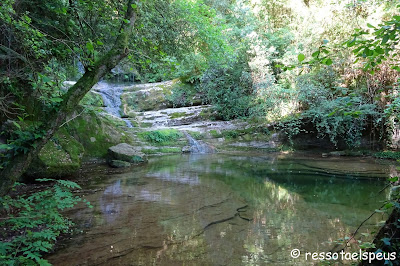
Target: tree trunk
{"points": [[71, 99]]}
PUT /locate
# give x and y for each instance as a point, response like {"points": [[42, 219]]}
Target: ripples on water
{"points": [[246, 209]]}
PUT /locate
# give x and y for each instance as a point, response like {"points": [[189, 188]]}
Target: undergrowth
{"points": [[161, 136], [33, 222]]}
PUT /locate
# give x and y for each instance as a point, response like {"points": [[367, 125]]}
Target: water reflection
{"points": [[226, 210], [109, 203]]}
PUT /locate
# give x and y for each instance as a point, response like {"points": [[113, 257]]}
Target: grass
{"points": [[196, 135], [177, 115], [161, 136]]}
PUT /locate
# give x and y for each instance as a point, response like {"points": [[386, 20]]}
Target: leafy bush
{"points": [[182, 95], [312, 90], [343, 117], [388, 155], [161, 136], [229, 89], [34, 222]]}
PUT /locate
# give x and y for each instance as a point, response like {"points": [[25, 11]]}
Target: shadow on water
{"points": [[221, 209]]}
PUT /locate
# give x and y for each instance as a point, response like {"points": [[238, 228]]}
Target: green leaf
{"points": [[370, 26], [56, 99], [388, 205], [89, 46], [393, 179], [385, 39], [5, 147], [367, 245], [397, 68], [134, 6], [17, 125], [301, 57], [316, 54], [379, 50], [351, 43]]}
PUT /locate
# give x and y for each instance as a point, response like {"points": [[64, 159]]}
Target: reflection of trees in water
{"points": [[109, 203], [174, 198]]}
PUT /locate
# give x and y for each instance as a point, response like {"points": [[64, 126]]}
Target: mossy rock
{"points": [[127, 153], [96, 133], [61, 156], [157, 96]]}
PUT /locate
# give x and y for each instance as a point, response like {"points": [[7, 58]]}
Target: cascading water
{"points": [[112, 99], [198, 146]]}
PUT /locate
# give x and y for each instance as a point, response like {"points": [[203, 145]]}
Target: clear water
{"points": [[220, 209]]}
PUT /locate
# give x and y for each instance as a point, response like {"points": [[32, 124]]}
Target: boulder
{"points": [[186, 149], [96, 133], [61, 156], [127, 153], [119, 164]]}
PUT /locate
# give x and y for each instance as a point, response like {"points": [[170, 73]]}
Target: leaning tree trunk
{"points": [[71, 99]]}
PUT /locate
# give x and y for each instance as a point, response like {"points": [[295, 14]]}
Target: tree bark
{"points": [[20, 163]]}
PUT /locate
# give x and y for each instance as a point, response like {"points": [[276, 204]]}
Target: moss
{"points": [[92, 99], [161, 136], [146, 125], [96, 133], [195, 134], [177, 115], [215, 134], [231, 134], [59, 157], [207, 114]]}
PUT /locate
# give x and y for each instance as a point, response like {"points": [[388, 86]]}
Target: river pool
{"points": [[225, 209]]}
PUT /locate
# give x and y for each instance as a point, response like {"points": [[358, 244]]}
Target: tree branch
{"points": [[71, 99]]}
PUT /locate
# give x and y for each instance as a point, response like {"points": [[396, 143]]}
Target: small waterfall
{"points": [[81, 68], [112, 99], [198, 146]]}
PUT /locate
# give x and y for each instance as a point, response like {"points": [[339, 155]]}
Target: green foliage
{"points": [[196, 135], [177, 39], [161, 136], [382, 45], [177, 115], [182, 95], [229, 89], [34, 222], [20, 139], [387, 155], [343, 117]]}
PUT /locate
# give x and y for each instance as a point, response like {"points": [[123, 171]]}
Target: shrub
{"points": [[229, 89], [388, 155], [34, 222]]}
